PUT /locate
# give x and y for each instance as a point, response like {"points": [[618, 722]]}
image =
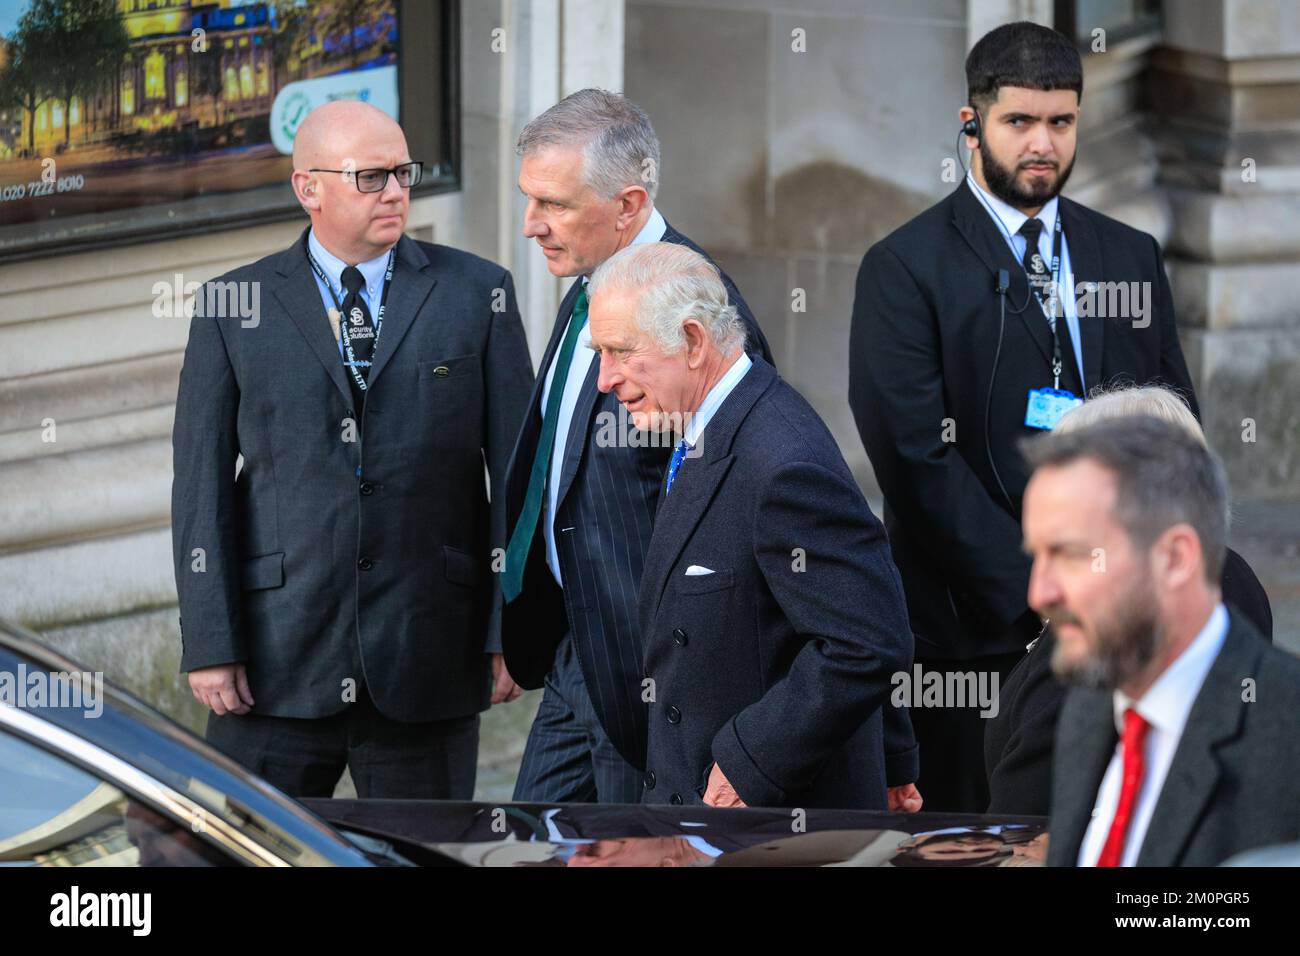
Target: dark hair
{"points": [[1164, 477], [1021, 54]]}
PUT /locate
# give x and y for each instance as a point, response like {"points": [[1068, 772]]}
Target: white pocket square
{"points": [[695, 570]]}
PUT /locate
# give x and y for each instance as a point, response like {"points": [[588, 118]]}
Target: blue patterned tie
{"points": [[679, 455]]}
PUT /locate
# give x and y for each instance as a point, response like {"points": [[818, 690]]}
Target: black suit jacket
{"points": [[606, 505], [777, 664], [1232, 784], [924, 334], [330, 559], [1018, 741]]}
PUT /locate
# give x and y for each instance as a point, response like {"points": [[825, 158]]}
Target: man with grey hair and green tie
{"points": [[579, 506]]}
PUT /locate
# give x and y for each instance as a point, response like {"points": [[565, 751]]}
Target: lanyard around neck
{"points": [[1051, 306], [345, 339]]}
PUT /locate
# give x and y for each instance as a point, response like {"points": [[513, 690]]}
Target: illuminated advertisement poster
{"points": [[131, 118]]}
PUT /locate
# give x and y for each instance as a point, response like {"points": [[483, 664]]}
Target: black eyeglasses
{"points": [[374, 180]]}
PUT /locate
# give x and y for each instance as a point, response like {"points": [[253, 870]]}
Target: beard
{"points": [[1002, 183], [1124, 643]]}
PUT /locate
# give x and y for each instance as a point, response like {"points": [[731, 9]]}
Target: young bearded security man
{"points": [[975, 325]]}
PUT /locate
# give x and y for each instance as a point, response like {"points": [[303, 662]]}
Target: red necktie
{"points": [[1135, 735]]}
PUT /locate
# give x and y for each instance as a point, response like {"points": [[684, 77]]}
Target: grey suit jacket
{"points": [[338, 556], [1234, 783]]}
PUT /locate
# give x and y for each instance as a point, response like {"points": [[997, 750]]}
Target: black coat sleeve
{"points": [[1020, 762], [508, 383], [896, 391], [849, 610], [205, 446]]}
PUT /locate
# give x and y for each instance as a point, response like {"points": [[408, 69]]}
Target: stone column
{"points": [[1225, 87]]}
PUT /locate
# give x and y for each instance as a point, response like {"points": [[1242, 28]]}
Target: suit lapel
{"points": [[678, 514], [576, 442], [1085, 263], [557, 337], [412, 283], [300, 297], [521, 459], [1086, 743], [697, 482], [1195, 771]]}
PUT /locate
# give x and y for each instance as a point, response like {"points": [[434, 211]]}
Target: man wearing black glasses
{"points": [[337, 602]]}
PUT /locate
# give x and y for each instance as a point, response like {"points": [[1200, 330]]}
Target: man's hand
{"points": [[222, 689], [504, 688], [905, 798], [719, 792]]}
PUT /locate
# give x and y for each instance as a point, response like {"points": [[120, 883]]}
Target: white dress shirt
{"points": [[652, 231], [372, 271], [1165, 707], [1009, 219]]}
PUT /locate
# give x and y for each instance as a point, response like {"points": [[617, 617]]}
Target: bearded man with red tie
{"points": [[1178, 743]]}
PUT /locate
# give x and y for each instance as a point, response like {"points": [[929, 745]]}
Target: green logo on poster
{"points": [[295, 111]]}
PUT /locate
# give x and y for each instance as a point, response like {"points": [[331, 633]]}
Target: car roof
{"points": [[136, 733]]}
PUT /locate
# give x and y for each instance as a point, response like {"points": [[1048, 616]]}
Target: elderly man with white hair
{"points": [[770, 609], [580, 495]]}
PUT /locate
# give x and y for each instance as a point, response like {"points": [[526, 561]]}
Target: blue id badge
{"points": [[1047, 405]]}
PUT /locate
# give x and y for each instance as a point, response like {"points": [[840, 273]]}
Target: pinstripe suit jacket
{"points": [[605, 507]]}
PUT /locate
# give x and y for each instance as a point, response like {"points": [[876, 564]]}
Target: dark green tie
{"points": [[521, 539]]}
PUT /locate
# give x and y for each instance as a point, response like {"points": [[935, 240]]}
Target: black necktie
{"points": [[1040, 277], [1040, 280], [361, 332]]}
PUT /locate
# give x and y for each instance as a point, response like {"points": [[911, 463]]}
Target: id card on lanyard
{"points": [[341, 335], [1046, 405]]}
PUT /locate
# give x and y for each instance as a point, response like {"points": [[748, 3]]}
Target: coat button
{"points": [[674, 715], [648, 780], [365, 564], [367, 487], [675, 799], [679, 637]]}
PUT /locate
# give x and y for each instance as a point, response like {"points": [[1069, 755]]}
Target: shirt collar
{"points": [[372, 270], [1168, 701], [653, 230], [717, 395], [1009, 216]]}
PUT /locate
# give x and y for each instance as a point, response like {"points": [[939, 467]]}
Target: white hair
{"points": [[1125, 401], [620, 148], [674, 283]]}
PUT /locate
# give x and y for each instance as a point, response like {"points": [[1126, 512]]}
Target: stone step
{"points": [[83, 580], [89, 391], [71, 496]]}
